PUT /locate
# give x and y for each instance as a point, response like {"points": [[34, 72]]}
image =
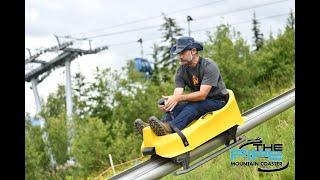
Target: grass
{"points": [[277, 130]]}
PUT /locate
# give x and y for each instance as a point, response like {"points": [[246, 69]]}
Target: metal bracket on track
{"points": [[185, 158]]}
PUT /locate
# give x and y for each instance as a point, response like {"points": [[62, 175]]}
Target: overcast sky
{"points": [[88, 18]]}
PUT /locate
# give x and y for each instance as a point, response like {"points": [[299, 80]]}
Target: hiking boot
{"points": [[158, 127], [139, 125]]}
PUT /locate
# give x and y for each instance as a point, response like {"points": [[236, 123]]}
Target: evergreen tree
{"points": [[291, 20], [155, 55], [258, 37], [80, 95], [170, 31]]}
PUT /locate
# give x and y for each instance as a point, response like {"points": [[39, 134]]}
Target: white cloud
{"points": [[32, 15]]}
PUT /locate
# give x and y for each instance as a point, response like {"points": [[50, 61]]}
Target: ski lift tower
{"points": [[63, 59]]}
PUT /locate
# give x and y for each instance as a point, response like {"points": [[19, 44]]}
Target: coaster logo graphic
{"points": [[270, 153]]}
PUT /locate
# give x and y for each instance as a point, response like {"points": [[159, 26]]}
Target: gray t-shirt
{"points": [[206, 72]]}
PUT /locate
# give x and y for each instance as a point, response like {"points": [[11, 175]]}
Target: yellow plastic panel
{"points": [[197, 133]]}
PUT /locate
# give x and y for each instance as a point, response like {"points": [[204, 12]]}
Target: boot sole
{"points": [[139, 127], [157, 128]]}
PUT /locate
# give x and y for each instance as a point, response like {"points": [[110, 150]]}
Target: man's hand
{"points": [[171, 102], [162, 108]]}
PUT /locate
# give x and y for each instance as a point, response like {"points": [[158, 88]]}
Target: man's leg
{"points": [[176, 111], [163, 128], [195, 110]]}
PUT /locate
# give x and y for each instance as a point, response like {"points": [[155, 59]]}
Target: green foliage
{"points": [[100, 94], [275, 62], [133, 75], [119, 146], [36, 158], [232, 55], [55, 104], [140, 105], [57, 130], [242, 71], [90, 146]]}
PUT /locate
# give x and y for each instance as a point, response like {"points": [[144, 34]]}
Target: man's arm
{"points": [[178, 91], [194, 96]]}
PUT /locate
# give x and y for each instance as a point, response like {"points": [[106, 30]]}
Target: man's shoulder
{"points": [[208, 62]]}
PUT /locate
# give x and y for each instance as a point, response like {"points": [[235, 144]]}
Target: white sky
{"points": [[43, 18]]}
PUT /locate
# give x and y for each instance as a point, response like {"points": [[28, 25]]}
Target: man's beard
{"points": [[183, 62], [190, 58], [186, 61]]}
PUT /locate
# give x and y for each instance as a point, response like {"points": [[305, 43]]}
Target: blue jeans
{"points": [[185, 113]]}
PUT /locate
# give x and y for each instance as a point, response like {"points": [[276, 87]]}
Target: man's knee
{"points": [[180, 105]]}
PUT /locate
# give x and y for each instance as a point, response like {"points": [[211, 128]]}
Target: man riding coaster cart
{"points": [[191, 119]]}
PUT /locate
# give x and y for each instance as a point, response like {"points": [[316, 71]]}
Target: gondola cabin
{"points": [[143, 65]]}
